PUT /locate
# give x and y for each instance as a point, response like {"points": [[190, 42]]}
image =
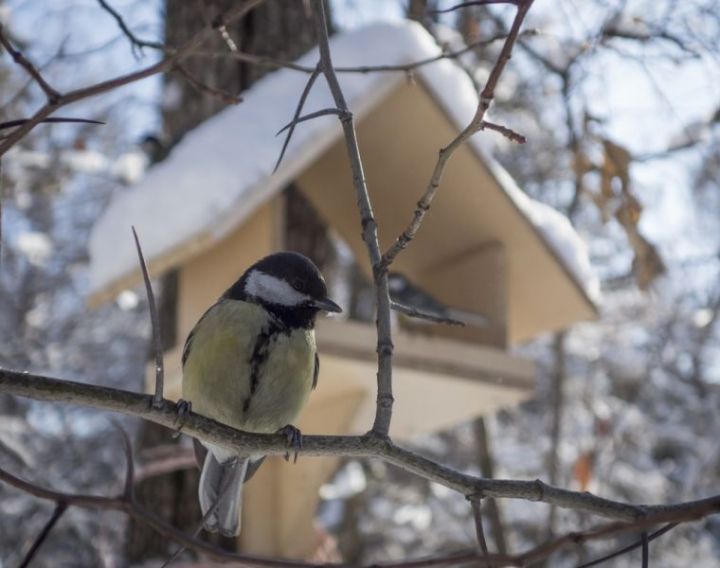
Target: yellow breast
{"points": [[219, 373]]}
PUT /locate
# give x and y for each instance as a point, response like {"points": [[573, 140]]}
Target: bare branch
{"points": [[51, 94], [476, 124], [137, 43], [155, 321], [527, 558], [658, 533], [419, 314], [198, 85], [364, 69], [504, 130], [236, 11], [60, 508], [369, 445], [611, 32], [143, 516], [312, 115], [129, 485], [476, 503], [476, 3], [383, 414], [301, 103], [21, 121]]}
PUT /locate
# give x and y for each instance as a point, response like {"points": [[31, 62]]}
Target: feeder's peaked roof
{"points": [[222, 170]]}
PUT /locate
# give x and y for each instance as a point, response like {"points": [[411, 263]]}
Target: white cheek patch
{"points": [[273, 290]]}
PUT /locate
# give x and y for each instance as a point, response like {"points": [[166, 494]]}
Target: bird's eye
{"points": [[297, 284]]}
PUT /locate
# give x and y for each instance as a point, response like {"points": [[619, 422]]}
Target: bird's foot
{"points": [[183, 410], [294, 440]]}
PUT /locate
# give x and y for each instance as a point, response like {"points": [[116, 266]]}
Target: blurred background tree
{"points": [[618, 100]]}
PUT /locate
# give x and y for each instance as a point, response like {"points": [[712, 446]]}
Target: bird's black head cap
{"points": [[288, 285]]}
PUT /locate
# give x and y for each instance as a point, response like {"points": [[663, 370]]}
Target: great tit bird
{"points": [[251, 362]]}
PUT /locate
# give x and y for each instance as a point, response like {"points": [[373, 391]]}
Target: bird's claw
{"points": [[294, 440], [183, 410]]}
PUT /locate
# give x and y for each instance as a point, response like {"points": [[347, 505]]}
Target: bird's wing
{"points": [[316, 371], [191, 335]]}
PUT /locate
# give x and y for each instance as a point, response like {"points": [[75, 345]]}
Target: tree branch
{"points": [[137, 43], [237, 11], [51, 94], [383, 414], [476, 124], [155, 323], [60, 509], [39, 387]]}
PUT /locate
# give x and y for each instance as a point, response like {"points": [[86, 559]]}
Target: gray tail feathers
{"points": [[220, 492]]}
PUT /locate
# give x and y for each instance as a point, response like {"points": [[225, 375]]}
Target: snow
{"points": [[127, 168], [36, 246], [221, 171], [558, 232]]}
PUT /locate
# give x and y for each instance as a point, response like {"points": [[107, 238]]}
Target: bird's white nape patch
{"points": [[273, 290]]}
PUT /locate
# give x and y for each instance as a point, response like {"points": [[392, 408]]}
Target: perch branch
{"points": [[39, 387]]}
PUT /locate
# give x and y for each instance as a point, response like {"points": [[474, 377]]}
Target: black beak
{"points": [[327, 305]]}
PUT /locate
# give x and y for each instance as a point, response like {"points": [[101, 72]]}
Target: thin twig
{"points": [[129, 484], [236, 11], [52, 95], [201, 87], [384, 404], [476, 503], [509, 133], [362, 69], [658, 533], [476, 124], [301, 103], [310, 116], [137, 43], [155, 321], [60, 508], [54, 120], [475, 3], [419, 314]]}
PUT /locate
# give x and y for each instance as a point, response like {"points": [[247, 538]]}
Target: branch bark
{"points": [[40, 387], [383, 414], [476, 124]]}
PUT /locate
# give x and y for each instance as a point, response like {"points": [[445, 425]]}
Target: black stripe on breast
{"points": [[260, 354]]}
